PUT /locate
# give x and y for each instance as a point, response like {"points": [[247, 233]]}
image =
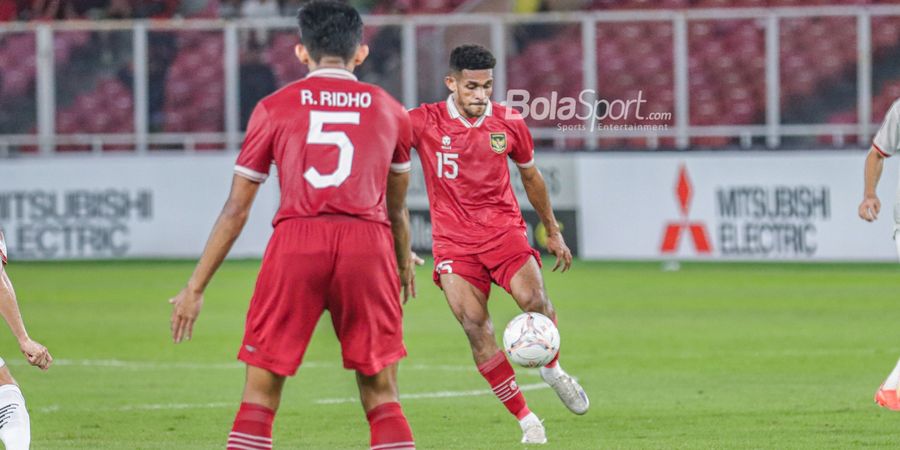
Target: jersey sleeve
{"points": [[523, 150], [2, 251], [400, 162], [887, 141], [256, 155], [418, 117]]}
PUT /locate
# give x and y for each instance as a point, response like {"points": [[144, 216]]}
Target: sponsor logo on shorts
{"points": [[250, 348], [444, 267]]}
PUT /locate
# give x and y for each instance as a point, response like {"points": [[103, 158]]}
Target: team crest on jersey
{"points": [[498, 142]]}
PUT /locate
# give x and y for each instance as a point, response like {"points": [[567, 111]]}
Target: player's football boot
{"points": [[533, 432], [569, 391], [887, 398]]}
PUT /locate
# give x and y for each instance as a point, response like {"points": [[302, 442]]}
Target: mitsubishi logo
{"points": [[674, 230]]}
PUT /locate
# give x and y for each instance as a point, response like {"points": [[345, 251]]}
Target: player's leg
{"points": [[365, 308], [887, 393], [897, 221], [252, 428], [15, 426], [287, 302], [388, 427], [527, 288], [469, 305]]}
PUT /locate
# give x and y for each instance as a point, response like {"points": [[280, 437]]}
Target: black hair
{"points": [[471, 57], [330, 28]]}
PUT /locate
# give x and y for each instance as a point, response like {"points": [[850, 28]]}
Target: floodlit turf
{"points": [[711, 356]]}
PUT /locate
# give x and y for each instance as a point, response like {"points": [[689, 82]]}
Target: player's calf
{"points": [[502, 378], [389, 429], [500, 375], [252, 428]]}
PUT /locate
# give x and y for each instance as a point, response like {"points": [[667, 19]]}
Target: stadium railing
{"points": [[419, 50]]}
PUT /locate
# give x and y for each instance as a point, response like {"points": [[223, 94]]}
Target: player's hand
{"points": [[36, 354], [186, 308], [416, 259], [408, 276], [556, 245], [869, 208]]}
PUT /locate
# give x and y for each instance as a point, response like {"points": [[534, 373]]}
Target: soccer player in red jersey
{"points": [[479, 234], [15, 425], [341, 148]]}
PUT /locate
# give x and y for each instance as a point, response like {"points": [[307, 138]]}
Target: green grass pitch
{"points": [[711, 356]]}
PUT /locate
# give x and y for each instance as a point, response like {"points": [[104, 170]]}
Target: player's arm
{"points": [[871, 206], [398, 213], [36, 353], [228, 227], [536, 189]]}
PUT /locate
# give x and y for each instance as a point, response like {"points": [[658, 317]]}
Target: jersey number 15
{"points": [[447, 166]]}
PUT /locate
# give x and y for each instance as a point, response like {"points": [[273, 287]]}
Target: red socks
{"points": [[555, 359], [389, 429], [500, 375], [252, 428]]}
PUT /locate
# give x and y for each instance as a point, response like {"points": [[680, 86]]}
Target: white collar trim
{"points": [[455, 114], [332, 73]]}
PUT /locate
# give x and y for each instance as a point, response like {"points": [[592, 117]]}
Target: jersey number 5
{"points": [[447, 166], [318, 119]]}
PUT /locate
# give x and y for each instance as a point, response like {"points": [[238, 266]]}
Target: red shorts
{"points": [[344, 265], [498, 263]]}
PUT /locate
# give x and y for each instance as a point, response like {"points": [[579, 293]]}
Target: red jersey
{"points": [[333, 140], [466, 172]]}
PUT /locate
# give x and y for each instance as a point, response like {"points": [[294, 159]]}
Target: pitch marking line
{"points": [[153, 365], [439, 394], [323, 401]]}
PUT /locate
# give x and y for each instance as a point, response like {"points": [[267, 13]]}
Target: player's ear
{"points": [[362, 52], [302, 54], [450, 81]]}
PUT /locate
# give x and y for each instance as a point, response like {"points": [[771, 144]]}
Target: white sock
{"points": [[893, 380], [527, 420], [15, 427], [897, 241], [552, 373]]}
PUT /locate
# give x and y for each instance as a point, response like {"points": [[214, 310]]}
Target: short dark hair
{"points": [[330, 28], [471, 57]]}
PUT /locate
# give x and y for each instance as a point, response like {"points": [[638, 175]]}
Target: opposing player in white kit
{"points": [[15, 429], [885, 144]]}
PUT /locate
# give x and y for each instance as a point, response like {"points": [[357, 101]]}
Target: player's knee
{"points": [[377, 386], [536, 300], [477, 328]]}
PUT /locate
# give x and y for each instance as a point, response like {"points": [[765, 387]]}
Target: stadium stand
{"points": [[726, 64]]}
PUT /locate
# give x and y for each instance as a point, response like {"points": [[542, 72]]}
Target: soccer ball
{"points": [[531, 340]]}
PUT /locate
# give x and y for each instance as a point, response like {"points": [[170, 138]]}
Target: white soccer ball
{"points": [[531, 340]]}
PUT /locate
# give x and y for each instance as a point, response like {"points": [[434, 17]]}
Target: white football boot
{"points": [[569, 391], [533, 430]]}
